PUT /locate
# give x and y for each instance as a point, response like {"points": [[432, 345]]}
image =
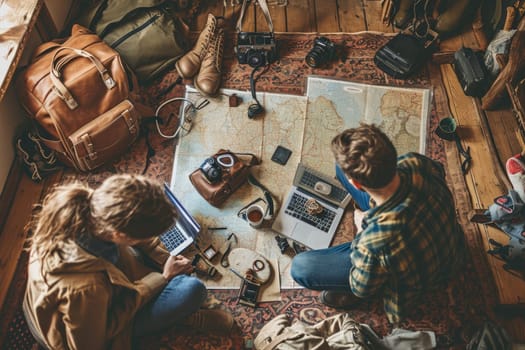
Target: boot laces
{"points": [[209, 30], [218, 48]]}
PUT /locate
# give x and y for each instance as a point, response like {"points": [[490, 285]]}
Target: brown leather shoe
{"points": [[338, 300], [188, 65], [404, 13], [208, 80], [211, 320]]}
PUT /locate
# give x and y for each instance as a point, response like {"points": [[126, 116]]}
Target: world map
{"points": [[335, 105], [219, 126], [303, 124]]}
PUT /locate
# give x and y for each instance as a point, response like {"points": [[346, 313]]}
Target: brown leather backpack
{"points": [[80, 94]]}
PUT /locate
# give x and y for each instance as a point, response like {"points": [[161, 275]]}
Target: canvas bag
{"points": [[232, 178], [81, 98], [148, 34], [339, 332]]}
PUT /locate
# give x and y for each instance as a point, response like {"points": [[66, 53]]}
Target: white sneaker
{"points": [[515, 167]]}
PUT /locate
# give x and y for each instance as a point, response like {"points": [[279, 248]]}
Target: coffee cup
{"points": [[255, 215]]}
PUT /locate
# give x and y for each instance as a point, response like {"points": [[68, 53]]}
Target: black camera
{"points": [[211, 169], [322, 52], [256, 49]]}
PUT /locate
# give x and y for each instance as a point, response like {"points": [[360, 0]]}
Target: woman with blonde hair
{"points": [[99, 275]]}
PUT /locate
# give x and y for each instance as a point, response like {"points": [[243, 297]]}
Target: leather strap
{"points": [[267, 195], [57, 65], [265, 10]]}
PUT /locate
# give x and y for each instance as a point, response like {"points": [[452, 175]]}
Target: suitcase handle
{"points": [[58, 64]]}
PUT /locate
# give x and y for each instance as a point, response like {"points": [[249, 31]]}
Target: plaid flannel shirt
{"points": [[410, 243]]}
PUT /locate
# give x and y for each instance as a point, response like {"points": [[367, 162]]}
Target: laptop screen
{"points": [[185, 221]]}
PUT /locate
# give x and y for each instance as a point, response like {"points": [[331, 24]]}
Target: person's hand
{"points": [[176, 265], [358, 219]]}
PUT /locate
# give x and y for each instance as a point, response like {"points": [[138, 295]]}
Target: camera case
{"points": [[402, 55], [232, 175], [257, 49], [471, 72]]}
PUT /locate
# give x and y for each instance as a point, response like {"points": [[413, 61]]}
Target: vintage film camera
{"points": [[257, 49], [211, 170], [323, 51]]}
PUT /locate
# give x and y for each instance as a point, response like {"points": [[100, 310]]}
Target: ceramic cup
{"points": [[255, 215]]}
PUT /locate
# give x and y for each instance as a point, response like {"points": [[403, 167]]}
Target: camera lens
{"points": [[313, 60], [214, 174], [255, 59]]}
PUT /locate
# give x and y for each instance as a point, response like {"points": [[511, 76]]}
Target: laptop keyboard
{"points": [[172, 238], [296, 208], [309, 179]]}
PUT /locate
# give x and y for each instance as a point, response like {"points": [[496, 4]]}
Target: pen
{"points": [[218, 228]]}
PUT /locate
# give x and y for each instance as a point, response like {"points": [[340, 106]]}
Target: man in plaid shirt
{"points": [[408, 239]]}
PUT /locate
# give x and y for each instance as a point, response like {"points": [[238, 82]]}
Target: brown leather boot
{"points": [[188, 65], [208, 80]]}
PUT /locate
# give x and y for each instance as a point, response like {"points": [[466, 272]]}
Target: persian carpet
{"points": [[451, 312]]}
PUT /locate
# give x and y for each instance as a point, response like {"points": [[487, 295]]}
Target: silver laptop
{"points": [[314, 231], [183, 232]]}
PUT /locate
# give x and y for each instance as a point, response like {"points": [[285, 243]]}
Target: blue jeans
{"points": [[323, 269], [182, 296], [329, 269]]}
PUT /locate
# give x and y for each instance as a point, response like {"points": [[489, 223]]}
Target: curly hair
{"points": [[366, 155], [131, 204]]}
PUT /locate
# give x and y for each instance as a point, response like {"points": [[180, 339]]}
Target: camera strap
{"points": [[267, 195], [255, 108], [265, 10]]}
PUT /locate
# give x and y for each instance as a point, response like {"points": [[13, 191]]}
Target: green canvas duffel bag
{"points": [[148, 34]]}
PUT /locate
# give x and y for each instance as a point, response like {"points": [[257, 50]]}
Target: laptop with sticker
{"points": [[315, 228], [184, 231]]}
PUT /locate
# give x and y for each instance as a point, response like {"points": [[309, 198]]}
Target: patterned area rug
{"points": [[452, 312]]}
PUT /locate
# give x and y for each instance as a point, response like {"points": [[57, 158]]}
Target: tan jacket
{"points": [[79, 301]]}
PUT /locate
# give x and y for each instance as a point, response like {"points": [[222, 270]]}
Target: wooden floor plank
{"points": [[300, 16], [231, 14], [278, 14], [504, 125], [483, 185], [13, 236], [447, 104], [374, 22], [352, 17], [202, 17], [249, 22], [326, 16]]}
